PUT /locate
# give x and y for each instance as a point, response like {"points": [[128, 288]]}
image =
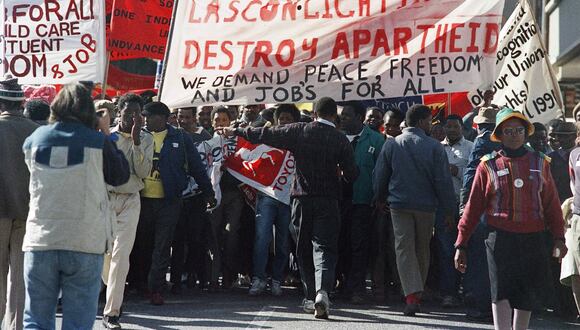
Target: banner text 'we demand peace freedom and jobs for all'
{"points": [[298, 51]]}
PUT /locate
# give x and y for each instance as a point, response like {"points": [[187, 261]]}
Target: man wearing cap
{"points": [[515, 190], [174, 152], [320, 150], [476, 280], [14, 197]]}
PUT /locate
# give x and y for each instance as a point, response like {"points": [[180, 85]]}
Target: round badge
{"points": [[518, 183]]}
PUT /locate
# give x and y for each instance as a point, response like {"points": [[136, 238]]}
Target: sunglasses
{"points": [[514, 131]]}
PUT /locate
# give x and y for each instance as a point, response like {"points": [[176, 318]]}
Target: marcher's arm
{"points": [[443, 183], [196, 167], [143, 157], [475, 207], [282, 137], [551, 205], [382, 173], [115, 165], [347, 164]]}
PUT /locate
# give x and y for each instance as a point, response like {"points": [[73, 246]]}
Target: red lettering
{"points": [[262, 51], [341, 45], [192, 18], [213, 9], [307, 14], [361, 38], [234, 11], [472, 46], [454, 37], [267, 14], [381, 41], [52, 6], [72, 9], [245, 12], [17, 13], [339, 13], [188, 63], [441, 38], [402, 36], [491, 37], [287, 43], [228, 54], [312, 48], [425, 29], [209, 54], [364, 8], [245, 44]]}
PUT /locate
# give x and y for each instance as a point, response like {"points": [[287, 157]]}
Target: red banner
{"points": [[139, 28], [125, 81]]}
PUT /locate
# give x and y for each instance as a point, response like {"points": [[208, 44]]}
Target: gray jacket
{"points": [[412, 173]]}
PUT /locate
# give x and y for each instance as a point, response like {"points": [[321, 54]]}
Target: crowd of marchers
{"points": [[480, 212]]}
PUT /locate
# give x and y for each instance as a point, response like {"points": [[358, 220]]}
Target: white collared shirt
{"points": [[327, 122], [458, 155]]}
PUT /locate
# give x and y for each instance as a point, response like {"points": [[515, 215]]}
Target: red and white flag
{"points": [[267, 169]]}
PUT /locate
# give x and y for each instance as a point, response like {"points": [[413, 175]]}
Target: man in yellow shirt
{"points": [[174, 158]]}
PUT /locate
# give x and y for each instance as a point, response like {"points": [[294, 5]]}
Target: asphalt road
{"points": [[235, 309]]}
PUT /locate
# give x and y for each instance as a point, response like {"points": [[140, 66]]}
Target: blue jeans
{"points": [[76, 274], [445, 237], [270, 212]]}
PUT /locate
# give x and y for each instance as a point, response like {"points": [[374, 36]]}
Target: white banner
{"points": [[54, 41], [298, 51], [525, 81]]}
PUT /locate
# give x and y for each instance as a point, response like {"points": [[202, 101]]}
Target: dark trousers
{"points": [[317, 222], [188, 252], [385, 272], [151, 253], [360, 233]]}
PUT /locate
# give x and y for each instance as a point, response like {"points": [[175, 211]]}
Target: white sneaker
{"points": [[276, 288], [308, 306], [321, 305], [258, 287]]}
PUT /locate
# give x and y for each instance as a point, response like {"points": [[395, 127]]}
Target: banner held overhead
{"points": [[255, 51]]}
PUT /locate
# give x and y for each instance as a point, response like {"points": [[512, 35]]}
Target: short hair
{"points": [[220, 109], [358, 107], [454, 117], [268, 114], [128, 98], [287, 108], [539, 127], [73, 103], [374, 108], [193, 110], [416, 113], [37, 109], [325, 107], [394, 113]]}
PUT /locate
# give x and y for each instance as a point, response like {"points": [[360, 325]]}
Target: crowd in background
{"points": [[374, 219]]}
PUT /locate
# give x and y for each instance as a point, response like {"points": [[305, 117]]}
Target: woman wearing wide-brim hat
{"points": [[517, 194]]}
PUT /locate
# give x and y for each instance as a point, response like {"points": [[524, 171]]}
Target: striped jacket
{"points": [[515, 194]]}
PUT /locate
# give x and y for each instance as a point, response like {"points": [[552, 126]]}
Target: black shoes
{"points": [[111, 322]]}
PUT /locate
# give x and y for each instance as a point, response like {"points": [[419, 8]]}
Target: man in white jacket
{"points": [[137, 146]]}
